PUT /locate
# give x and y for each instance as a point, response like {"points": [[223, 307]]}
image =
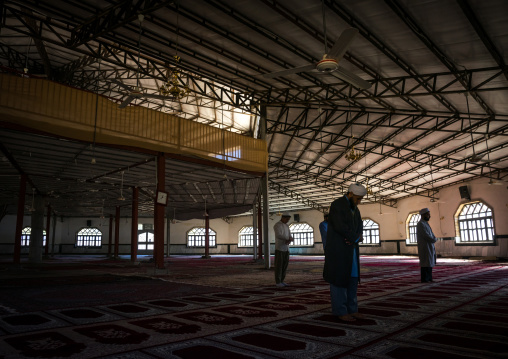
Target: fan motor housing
{"points": [[327, 65]]}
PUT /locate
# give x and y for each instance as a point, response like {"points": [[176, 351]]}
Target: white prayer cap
{"points": [[357, 189], [424, 210], [286, 214]]}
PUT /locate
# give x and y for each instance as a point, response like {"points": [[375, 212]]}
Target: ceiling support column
{"points": [[48, 230], [158, 228], [207, 236], [110, 237], [260, 229], [19, 219], [37, 234], [134, 225], [117, 231], [254, 230], [264, 189]]}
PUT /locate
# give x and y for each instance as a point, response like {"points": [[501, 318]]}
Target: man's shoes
{"points": [[346, 318], [285, 284], [280, 285], [358, 315]]}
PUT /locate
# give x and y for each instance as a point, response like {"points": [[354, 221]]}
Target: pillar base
{"points": [[206, 257]]}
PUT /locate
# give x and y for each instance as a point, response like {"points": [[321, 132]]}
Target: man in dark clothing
{"points": [[342, 257], [426, 249]]}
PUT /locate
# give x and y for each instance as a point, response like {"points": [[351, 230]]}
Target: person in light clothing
{"points": [[283, 238], [426, 250]]}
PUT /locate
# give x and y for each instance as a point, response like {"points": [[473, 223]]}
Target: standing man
{"points": [[283, 238], [323, 228], [342, 256], [426, 249]]}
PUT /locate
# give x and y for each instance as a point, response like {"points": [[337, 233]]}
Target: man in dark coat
{"points": [[342, 256], [426, 249]]}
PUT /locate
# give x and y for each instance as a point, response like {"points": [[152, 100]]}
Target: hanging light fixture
{"points": [[173, 87]]}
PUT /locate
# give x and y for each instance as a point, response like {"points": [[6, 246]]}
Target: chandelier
{"points": [[173, 87], [353, 155]]}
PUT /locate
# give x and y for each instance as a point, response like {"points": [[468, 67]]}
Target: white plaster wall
{"points": [[392, 223]]}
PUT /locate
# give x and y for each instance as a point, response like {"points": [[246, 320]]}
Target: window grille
{"points": [[89, 237], [25, 236], [475, 224], [370, 232], [414, 218], [196, 237], [302, 233], [145, 241], [245, 237]]}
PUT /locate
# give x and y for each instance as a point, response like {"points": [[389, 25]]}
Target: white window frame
{"points": [[26, 234], [412, 221], [370, 233], [475, 224], [89, 237], [196, 237], [246, 237], [303, 234]]}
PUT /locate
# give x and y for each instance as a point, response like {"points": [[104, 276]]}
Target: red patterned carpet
{"points": [[110, 310]]}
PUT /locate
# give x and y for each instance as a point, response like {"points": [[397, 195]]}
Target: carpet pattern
{"points": [[462, 314]]}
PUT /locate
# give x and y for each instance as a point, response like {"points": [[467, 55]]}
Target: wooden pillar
{"points": [[19, 219], [134, 225], [117, 230], [207, 236], [158, 228], [48, 230], [110, 234]]}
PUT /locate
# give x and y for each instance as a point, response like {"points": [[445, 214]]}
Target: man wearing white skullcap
{"points": [[426, 249], [283, 238], [342, 257]]}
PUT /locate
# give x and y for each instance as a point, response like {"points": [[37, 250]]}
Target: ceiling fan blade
{"points": [[339, 48], [350, 77], [127, 101], [121, 84], [159, 97], [294, 70]]}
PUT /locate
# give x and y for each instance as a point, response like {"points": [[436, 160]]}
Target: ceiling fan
{"points": [[136, 92], [330, 60]]}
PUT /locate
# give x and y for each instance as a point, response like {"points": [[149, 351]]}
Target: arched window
{"points": [[475, 224], [370, 232], [196, 237], [302, 233], [89, 237], [145, 240], [411, 223], [25, 236], [145, 236], [245, 236]]}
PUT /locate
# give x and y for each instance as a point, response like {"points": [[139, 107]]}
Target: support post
{"points": [[110, 234], [158, 228], [264, 189], [117, 231], [254, 230], [37, 234], [134, 225], [19, 219], [48, 230], [207, 236]]}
